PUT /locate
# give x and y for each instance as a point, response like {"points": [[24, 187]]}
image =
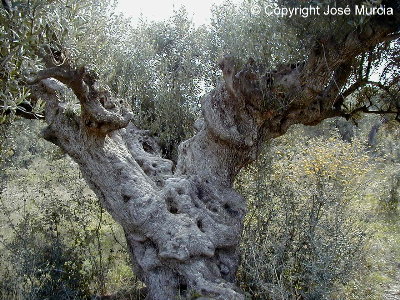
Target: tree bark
{"points": [[183, 227]]}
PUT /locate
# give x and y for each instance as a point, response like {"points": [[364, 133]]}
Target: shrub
{"points": [[302, 239]]}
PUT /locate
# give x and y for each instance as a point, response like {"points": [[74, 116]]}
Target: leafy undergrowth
{"points": [[323, 220], [381, 266]]}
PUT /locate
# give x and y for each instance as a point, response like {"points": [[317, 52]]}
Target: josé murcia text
{"points": [[305, 11], [361, 10]]}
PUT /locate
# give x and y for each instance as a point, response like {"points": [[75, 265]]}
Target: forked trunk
{"points": [[183, 226]]}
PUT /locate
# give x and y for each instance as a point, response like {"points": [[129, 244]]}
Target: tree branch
{"points": [[355, 86], [251, 106], [74, 79], [365, 110], [391, 37], [382, 87], [7, 4], [101, 113]]}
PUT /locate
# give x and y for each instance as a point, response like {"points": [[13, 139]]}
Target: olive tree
{"points": [[182, 218]]}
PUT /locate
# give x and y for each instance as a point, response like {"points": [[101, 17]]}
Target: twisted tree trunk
{"points": [[183, 227]]}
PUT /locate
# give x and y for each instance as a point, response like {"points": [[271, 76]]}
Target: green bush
{"points": [[302, 238]]}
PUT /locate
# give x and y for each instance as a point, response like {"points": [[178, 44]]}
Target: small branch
{"points": [[365, 110], [355, 86], [380, 85], [7, 58], [369, 65], [359, 72], [26, 114], [391, 37], [341, 75], [23, 110], [364, 82], [384, 88], [379, 112], [7, 4]]}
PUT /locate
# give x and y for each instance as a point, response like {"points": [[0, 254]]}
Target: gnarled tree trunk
{"points": [[183, 226]]}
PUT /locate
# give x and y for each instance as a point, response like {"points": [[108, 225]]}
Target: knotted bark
{"points": [[183, 227]]}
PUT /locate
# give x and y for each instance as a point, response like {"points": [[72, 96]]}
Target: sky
{"points": [[199, 10]]}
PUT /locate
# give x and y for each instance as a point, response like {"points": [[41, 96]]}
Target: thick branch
{"points": [[252, 106], [74, 79], [101, 113]]}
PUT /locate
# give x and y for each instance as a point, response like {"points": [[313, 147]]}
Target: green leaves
{"points": [[65, 26]]}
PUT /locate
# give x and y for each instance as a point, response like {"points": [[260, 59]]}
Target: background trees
{"points": [[164, 68]]}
